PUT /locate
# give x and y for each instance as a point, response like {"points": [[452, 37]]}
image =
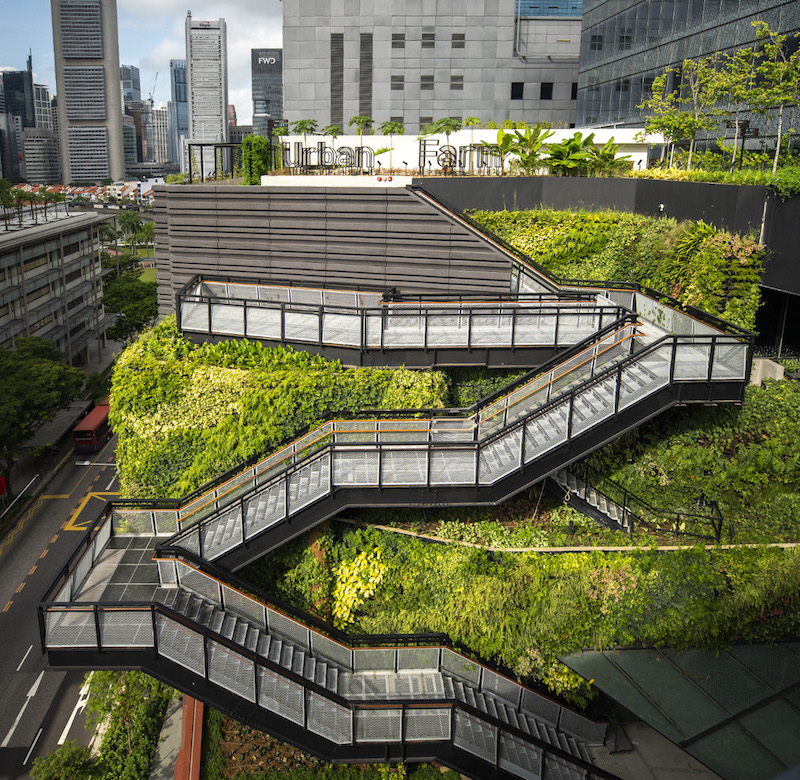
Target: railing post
{"points": [[319, 328], [96, 612], [617, 390], [241, 517], [469, 328], [514, 326], [570, 414], [155, 629], [209, 316], [711, 355], [425, 331], [283, 321], [673, 358]]}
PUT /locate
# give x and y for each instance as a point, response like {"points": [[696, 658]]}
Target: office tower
{"points": [[207, 84], [19, 94], [160, 134], [40, 162], [130, 83], [141, 112], [178, 109], [87, 82], [231, 114], [267, 86], [129, 139], [43, 107], [624, 47], [415, 61]]}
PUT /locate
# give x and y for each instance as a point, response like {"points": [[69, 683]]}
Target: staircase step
{"points": [[251, 641], [310, 667], [205, 614], [458, 688], [275, 648], [321, 673], [228, 626], [449, 693], [217, 617], [332, 683], [264, 641], [181, 601], [298, 662], [240, 633], [287, 655]]}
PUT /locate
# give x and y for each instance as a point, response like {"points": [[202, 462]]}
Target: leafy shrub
{"points": [[693, 262], [186, 413], [527, 610], [786, 183]]}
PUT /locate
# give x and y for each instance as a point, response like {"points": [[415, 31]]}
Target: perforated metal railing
{"points": [[349, 318], [368, 705]]}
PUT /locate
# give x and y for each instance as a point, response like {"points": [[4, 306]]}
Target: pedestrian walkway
{"points": [[169, 743]]}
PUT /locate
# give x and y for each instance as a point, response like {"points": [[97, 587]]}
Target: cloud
{"points": [[152, 32]]}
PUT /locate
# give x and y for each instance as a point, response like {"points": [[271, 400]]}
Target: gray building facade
{"points": [[86, 52], [625, 44], [416, 61], [50, 284], [267, 88], [178, 109]]}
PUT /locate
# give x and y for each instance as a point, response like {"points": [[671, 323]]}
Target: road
{"points": [[40, 708]]}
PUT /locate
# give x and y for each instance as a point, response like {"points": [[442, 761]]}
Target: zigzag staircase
{"points": [[190, 622]]}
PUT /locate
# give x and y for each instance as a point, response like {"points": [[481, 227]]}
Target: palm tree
{"points": [[130, 224], [470, 122], [20, 198], [304, 126], [334, 131], [391, 129], [147, 233], [363, 122], [448, 125]]}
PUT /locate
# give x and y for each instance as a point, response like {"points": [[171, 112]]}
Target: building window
{"points": [[398, 40], [426, 82], [546, 92], [458, 40], [425, 120], [397, 82], [596, 43], [456, 82], [623, 85], [397, 119], [517, 89], [574, 90], [428, 40], [625, 42]]}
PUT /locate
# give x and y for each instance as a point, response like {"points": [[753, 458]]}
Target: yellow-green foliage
{"points": [[694, 262], [356, 581], [529, 609], [185, 414]]}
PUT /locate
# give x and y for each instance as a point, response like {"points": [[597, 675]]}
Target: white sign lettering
{"points": [[266, 60]]}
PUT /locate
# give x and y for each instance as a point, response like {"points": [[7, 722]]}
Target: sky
{"points": [[151, 33]]}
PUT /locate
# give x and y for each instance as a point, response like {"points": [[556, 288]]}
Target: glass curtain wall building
{"points": [[178, 109], [625, 44], [267, 70]]}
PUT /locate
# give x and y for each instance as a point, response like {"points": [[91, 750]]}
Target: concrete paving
{"points": [[169, 743]]}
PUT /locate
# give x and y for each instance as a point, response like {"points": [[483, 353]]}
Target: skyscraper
{"points": [[160, 135], [130, 83], [87, 81], [207, 82], [267, 84], [178, 109]]}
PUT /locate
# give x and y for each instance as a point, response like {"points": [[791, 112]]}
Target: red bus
{"points": [[92, 432]]}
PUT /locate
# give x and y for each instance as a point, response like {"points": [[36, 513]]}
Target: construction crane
{"points": [[155, 81]]}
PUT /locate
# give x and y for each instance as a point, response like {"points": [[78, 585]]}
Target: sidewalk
{"points": [[169, 743]]}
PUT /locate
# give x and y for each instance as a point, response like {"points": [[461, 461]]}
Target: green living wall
{"points": [[186, 414], [692, 261]]}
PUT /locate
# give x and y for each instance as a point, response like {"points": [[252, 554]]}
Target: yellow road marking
{"points": [[21, 586], [6, 607], [83, 525], [33, 569], [61, 495], [43, 554]]}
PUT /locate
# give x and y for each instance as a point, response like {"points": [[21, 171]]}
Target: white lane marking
{"points": [[25, 658], [30, 695], [80, 706], [113, 479], [33, 745]]}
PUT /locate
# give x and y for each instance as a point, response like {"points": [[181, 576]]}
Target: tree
{"points": [[363, 123], [698, 78], [70, 761], [147, 235], [527, 145], [304, 126], [36, 384], [134, 301], [606, 159], [392, 129], [778, 81], [130, 223], [6, 198], [471, 122], [334, 131], [107, 233], [256, 158], [667, 117]]}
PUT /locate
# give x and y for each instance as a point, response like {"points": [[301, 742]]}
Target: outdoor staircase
{"points": [[593, 503], [404, 699]]}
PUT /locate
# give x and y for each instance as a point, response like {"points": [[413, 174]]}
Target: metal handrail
{"points": [[560, 281]]}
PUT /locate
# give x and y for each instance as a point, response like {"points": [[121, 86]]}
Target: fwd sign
{"points": [[266, 60]]}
